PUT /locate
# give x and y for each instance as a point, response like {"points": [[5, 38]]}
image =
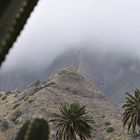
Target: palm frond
{"points": [[73, 120], [131, 114]]}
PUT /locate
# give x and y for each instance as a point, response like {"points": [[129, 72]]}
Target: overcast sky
{"points": [[58, 24]]}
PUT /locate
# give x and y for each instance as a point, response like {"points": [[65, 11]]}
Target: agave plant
{"points": [[131, 115], [73, 121]]}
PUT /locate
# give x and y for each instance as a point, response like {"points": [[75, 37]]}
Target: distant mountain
{"points": [[42, 99], [16, 79], [113, 73]]}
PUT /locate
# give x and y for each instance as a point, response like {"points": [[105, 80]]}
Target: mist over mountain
{"points": [[113, 73], [110, 28], [56, 26]]}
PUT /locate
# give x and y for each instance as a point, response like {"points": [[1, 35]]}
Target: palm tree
{"points": [[131, 108], [73, 121]]}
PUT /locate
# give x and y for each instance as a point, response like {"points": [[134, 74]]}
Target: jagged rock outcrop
{"points": [[43, 98]]}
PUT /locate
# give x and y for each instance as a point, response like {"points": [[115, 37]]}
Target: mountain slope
{"points": [[112, 73], [42, 99]]}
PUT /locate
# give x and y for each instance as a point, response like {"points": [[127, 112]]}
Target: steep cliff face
{"points": [[42, 99]]}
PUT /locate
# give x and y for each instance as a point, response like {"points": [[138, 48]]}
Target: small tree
{"points": [[73, 120], [131, 114]]}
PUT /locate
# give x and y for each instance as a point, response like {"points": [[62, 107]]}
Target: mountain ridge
{"points": [[43, 98], [113, 73], [106, 71]]}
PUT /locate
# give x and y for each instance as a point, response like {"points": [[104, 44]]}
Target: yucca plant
{"points": [[131, 114], [72, 121], [34, 129]]}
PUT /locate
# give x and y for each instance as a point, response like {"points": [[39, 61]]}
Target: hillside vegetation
{"points": [[42, 99]]}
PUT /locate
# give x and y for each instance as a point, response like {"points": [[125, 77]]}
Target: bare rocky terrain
{"points": [[113, 73], [43, 98]]}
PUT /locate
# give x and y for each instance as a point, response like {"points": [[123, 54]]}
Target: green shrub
{"points": [[30, 101], [107, 123], [19, 121], [26, 98], [16, 115], [4, 97], [8, 93], [50, 83], [16, 105], [110, 130], [4, 125], [34, 90], [15, 95]]}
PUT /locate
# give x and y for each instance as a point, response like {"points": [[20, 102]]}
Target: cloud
{"points": [[109, 25]]}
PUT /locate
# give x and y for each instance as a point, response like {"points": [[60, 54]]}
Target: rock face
{"points": [[113, 73], [42, 99]]}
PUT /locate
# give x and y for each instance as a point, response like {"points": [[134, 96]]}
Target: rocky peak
{"points": [[43, 99], [69, 73]]}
